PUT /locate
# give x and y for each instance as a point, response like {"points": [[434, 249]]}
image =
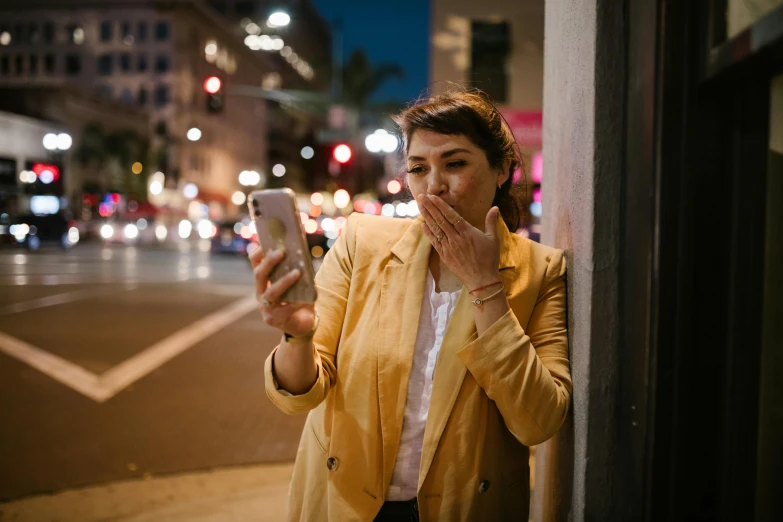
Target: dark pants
{"points": [[406, 511]]}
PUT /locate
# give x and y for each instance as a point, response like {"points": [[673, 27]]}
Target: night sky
{"points": [[387, 30]]}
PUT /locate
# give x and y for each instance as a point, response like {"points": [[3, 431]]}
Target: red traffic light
{"points": [[342, 153], [212, 84]]}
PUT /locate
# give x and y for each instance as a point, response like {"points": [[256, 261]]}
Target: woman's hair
{"points": [[472, 114]]}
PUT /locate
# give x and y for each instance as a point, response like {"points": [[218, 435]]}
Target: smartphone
{"points": [[278, 225]]}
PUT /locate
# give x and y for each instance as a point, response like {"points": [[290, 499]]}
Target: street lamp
{"points": [[194, 134], [278, 19], [53, 142]]}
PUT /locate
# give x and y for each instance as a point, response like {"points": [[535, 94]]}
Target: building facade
{"points": [[156, 56]]}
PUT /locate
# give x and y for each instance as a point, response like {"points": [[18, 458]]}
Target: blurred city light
{"points": [[64, 141], [131, 231], [44, 205], [316, 198], [238, 197], [381, 141], [50, 141], [141, 224], [73, 235], [107, 231], [387, 210], [307, 152], [535, 209], [46, 176], [317, 251], [212, 84], [185, 228], [161, 232], [278, 19], [211, 48], [394, 186], [190, 191], [341, 198], [78, 36], [156, 187], [5, 38], [311, 226], [342, 153], [252, 28], [327, 224], [194, 134], [27, 176], [278, 170], [249, 178], [137, 167], [205, 229]]}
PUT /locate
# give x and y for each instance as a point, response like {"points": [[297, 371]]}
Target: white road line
{"points": [[159, 353], [101, 388], [65, 297], [57, 368]]}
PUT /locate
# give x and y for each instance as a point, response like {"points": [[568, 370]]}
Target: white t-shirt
{"points": [[436, 310]]}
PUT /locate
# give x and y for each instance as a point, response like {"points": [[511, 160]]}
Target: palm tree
{"points": [[361, 79]]}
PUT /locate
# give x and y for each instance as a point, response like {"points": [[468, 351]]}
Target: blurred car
{"points": [[35, 230], [233, 237]]}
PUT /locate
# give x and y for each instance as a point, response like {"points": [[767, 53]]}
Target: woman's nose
{"points": [[435, 185]]}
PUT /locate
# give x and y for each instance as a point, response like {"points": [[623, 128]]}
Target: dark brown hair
{"points": [[470, 113]]}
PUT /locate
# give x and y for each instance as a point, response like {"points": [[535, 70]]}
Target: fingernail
{"points": [[295, 272]]}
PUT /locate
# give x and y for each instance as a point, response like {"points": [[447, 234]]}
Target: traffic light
{"points": [[214, 89], [342, 153]]}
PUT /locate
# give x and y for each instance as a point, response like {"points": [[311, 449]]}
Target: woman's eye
{"points": [[417, 169], [455, 164]]}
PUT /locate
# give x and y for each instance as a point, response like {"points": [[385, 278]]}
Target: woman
{"points": [[438, 352]]}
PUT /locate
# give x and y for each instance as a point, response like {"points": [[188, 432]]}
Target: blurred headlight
{"points": [[161, 232], [107, 231], [185, 228], [204, 229], [131, 231], [73, 235]]}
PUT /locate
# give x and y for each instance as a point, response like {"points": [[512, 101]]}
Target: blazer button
{"points": [[484, 486], [332, 463]]}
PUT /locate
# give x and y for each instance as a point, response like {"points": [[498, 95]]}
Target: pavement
{"points": [[127, 371], [253, 493]]}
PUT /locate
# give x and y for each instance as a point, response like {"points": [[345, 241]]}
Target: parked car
{"points": [[33, 231], [233, 237]]}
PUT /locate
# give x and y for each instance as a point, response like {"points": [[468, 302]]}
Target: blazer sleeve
{"points": [[333, 282], [526, 372]]}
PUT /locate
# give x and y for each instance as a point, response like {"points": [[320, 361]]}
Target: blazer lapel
{"points": [[449, 370], [402, 290]]}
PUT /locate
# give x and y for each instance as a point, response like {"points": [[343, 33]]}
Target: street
{"points": [[128, 362]]}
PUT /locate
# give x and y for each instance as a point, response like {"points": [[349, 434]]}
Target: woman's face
{"points": [[454, 169]]}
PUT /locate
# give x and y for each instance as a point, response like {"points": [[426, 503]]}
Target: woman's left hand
{"points": [[470, 254]]}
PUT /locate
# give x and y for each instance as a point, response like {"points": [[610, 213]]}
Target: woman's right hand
{"points": [[297, 319]]}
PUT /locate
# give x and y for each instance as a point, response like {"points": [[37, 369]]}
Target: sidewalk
{"points": [[254, 493]]}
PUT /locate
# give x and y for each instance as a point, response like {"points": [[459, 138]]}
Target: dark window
{"points": [[33, 64], [142, 64], [489, 56], [19, 64], [18, 33], [5, 65], [106, 31], [141, 31], [126, 96], [126, 29], [105, 92], [73, 64], [125, 62], [162, 31], [160, 128], [143, 96], [161, 95], [50, 63], [48, 32], [245, 8], [105, 64], [161, 64], [33, 33]]}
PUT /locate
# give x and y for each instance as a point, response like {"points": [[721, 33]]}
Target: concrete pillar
{"points": [[583, 123]]}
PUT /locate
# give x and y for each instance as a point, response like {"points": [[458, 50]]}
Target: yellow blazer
{"points": [[493, 395]]}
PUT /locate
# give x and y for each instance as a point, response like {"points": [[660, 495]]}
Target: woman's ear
{"points": [[504, 173]]}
